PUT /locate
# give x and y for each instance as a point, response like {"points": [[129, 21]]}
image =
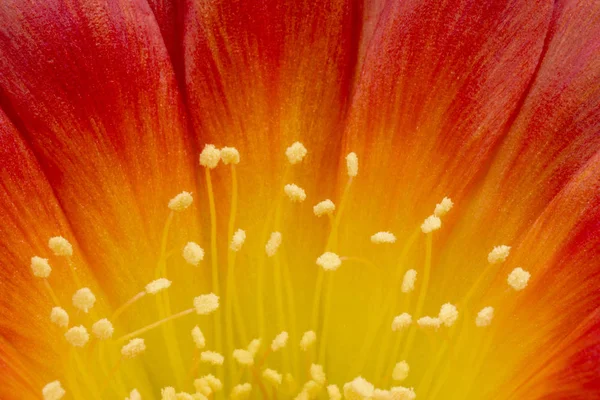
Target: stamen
{"points": [[383, 237], [295, 153], [402, 393], [308, 339], [168, 393], [210, 156], [518, 279], [238, 239], [40, 267], [443, 207], [273, 244], [448, 314], [60, 246], [103, 329], [212, 357], [202, 386], [431, 223], [134, 395], [334, 392], [358, 389], [312, 389], [254, 346], [352, 164], [317, 373], [84, 299], [193, 253], [429, 322], [241, 391], [400, 371], [184, 396], [77, 336], [53, 391], [134, 348], [180, 202], [498, 254], [295, 193], [230, 155], [484, 317], [158, 285], [198, 337], [59, 316], [280, 341], [272, 376], [401, 321], [243, 357], [213, 383], [408, 282], [324, 207], [380, 394], [329, 261], [206, 303]]}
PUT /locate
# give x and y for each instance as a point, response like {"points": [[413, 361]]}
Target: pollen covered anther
{"points": [[280, 341], [134, 395], [53, 391], [60, 246], [401, 321], [40, 267], [295, 153], [401, 370], [352, 164], [273, 244], [212, 357], [59, 316], [206, 303], [518, 278], [308, 339], [358, 389], [383, 237], [243, 357], [272, 376], [157, 285], [230, 155], [134, 348], [103, 329], [180, 202], [210, 156], [238, 239], [198, 337], [317, 374], [499, 254], [77, 336], [329, 261], [408, 282], [429, 322], [448, 314], [325, 207], [431, 223], [241, 391], [192, 253], [295, 193], [443, 207], [484, 317], [254, 346], [402, 393], [333, 391], [84, 299]]}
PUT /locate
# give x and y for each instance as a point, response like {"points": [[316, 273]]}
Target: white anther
{"points": [[352, 164], [84, 299], [254, 346], [243, 357], [213, 383], [238, 239], [443, 207], [329, 261], [206, 303], [402, 393], [408, 282], [53, 391], [272, 376], [157, 285], [103, 329], [383, 237], [60, 246], [400, 371], [448, 314], [295, 193], [212, 357], [324, 207], [77, 336], [518, 278], [312, 388], [484, 317], [381, 394], [498, 254], [134, 395], [180, 202], [308, 339], [198, 337], [334, 392], [134, 348], [210, 156], [317, 374], [230, 155], [280, 341], [193, 253], [59, 316], [40, 267], [431, 223], [184, 396], [358, 389], [168, 393], [401, 321], [203, 386], [295, 153], [273, 244], [241, 391], [429, 322]]}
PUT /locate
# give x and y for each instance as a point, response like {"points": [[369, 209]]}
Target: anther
{"points": [[308, 339], [230, 155], [198, 337], [254, 346], [273, 244], [193, 253], [400, 371], [53, 391], [134, 395], [243, 357], [180, 202], [329, 261], [60, 246], [168, 393], [408, 282], [431, 223], [334, 392], [358, 389], [77, 336], [484, 317], [210, 156], [443, 207], [206, 303], [448, 314], [429, 322], [401, 321], [241, 391], [498, 254], [317, 374], [157, 285], [402, 393], [272, 376], [383, 237], [381, 394], [134, 348], [280, 341], [212, 357], [59, 316], [352, 164], [518, 279], [103, 329], [40, 267], [238, 239], [295, 193], [84, 299], [295, 153], [324, 207]]}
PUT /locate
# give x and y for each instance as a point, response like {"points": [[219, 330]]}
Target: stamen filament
{"points": [[154, 325], [127, 304]]}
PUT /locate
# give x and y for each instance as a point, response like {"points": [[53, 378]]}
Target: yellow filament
{"points": [[230, 271], [287, 281], [154, 325], [51, 293], [279, 303], [126, 305]]}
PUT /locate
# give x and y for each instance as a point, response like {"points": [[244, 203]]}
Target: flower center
{"points": [[270, 336]]}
